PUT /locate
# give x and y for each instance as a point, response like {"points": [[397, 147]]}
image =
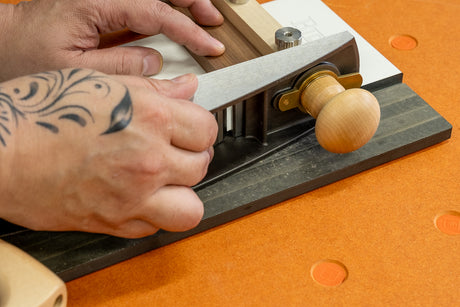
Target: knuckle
{"points": [[163, 119], [152, 84], [122, 65], [134, 230], [196, 35], [148, 171], [161, 10], [109, 217], [208, 127], [212, 129], [194, 213], [126, 61], [199, 168], [158, 116], [154, 165]]}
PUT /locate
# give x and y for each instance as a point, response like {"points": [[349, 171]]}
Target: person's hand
{"points": [[43, 35], [81, 150]]}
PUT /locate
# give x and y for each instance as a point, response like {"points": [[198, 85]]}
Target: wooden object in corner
{"points": [[26, 282]]}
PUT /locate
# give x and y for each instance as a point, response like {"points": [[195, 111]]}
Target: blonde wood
{"points": [[253, 21], [26, 282], [345, 119], [319, 92]]}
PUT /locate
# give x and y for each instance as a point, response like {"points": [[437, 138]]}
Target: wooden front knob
{"points": [[345, 119]]}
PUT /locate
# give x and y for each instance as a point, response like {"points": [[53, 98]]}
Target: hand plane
{"points": [[269, 101]]}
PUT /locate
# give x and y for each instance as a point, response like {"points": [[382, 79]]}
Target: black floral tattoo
{"points": [[51, 99]]}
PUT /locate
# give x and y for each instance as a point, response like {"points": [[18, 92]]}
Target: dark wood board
{"points": [[238, 48], [408, 124]]}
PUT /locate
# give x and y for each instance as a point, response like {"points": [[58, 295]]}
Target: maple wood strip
{"points": [[253, 21]]}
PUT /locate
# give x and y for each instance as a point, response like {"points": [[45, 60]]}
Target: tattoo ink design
{"points": [[52, 99]]}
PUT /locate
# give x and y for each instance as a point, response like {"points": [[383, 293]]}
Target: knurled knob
{"points": [[287, 37]]}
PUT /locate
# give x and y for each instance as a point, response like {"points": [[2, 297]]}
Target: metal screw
{"points": [[288, 37]]}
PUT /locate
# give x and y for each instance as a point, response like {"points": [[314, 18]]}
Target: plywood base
{"points": [[408, 124]]}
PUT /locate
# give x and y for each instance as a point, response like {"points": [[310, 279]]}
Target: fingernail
{"points": [[220, 48], [152, 64], [183, 79]]}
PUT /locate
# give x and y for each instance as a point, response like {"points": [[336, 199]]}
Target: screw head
{"points": [[288, 37]]}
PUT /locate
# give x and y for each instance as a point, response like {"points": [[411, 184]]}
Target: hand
{"points": [[45, 35], [80, 150]]}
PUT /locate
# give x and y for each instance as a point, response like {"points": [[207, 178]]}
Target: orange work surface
{"points": [[387, 236]]}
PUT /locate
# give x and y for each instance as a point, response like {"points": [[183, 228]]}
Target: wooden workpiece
{"points": [[251, 19], [248, 32]]}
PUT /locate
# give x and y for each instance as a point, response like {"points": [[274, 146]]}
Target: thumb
{"points": [[132, 60], [182, 87]]}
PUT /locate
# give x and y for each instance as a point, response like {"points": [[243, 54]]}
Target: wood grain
{"points": [[248, 32], [251, 19], [238, 48]]}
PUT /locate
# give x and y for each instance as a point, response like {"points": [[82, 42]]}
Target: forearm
{"points": [[6, 20], [6, 13]]}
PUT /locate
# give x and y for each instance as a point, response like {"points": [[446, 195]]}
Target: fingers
{"points": [[153, 17], [192, 127], [173, 208], [171, 163], [182, 87], [131, 229], [138, 61], [186, 168], [182, 131], [202, 10]]}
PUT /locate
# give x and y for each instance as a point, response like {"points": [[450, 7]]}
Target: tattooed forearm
{"points": [[52, 99]]}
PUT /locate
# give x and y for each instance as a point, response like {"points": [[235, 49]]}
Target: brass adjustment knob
{"points": [[345, 119]]}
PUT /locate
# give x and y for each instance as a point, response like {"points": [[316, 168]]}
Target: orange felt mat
{"points": [[385, 229]]}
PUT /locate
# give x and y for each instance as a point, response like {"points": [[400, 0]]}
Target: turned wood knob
{"points": [[345, 119], [26, 282]]}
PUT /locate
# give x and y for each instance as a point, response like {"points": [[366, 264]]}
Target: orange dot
{"points": [[403, 42], [329, 273], [448, 222]]}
